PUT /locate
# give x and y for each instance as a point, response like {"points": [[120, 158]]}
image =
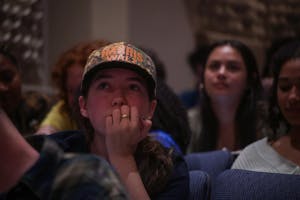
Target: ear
{"points": [[82, 105], [153, 104]]}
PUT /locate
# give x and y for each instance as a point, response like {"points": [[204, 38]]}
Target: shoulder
{"points": [[58, 104], [194, 112], [195, 121], [194, 117], [56, 108], [255, 157], [180, 170], [57, 118], [178, 184]]}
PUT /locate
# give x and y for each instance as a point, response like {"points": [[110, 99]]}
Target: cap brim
{"points": [[118, 64]]}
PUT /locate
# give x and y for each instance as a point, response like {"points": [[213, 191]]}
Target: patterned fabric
{"points": [[125, 55], [57, 175]]}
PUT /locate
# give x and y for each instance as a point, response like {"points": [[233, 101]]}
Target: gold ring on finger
{"points": [[123, 116]]}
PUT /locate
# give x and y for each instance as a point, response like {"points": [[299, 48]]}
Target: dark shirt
{"points": [[189, 98], [30, 112], [177, 187], [59, 175]]}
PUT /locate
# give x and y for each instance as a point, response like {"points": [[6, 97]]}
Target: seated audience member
{"points": [[66, 75], [25, 110], [266, 76], [51, 174], [117, 103], [170, 123], [279, 152], [230, 89]]}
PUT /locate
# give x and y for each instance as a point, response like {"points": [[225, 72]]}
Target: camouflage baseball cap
{"points": [[121, 55]]}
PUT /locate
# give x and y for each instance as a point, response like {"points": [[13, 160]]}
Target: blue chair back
{"points": [[212, 162], [199, 185], [249, 185]]}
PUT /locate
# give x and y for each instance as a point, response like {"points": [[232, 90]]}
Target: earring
{"points": [[201, 86]]}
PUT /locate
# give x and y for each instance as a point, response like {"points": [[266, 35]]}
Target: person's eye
{"points": [[284, 86], [213, 66], [103, 85], [134, 87], [233, 67]]}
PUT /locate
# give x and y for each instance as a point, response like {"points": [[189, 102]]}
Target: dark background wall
{"points": [[40, 30], [158, 25]]}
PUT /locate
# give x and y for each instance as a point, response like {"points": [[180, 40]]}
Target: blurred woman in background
{"points": [[66, 75], [279, 152], [230, 89]]}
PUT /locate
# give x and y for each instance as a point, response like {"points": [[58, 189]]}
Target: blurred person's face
{"points": [[74, 75], [225, 75], [10, 85], [288, 91], [112, 89]]}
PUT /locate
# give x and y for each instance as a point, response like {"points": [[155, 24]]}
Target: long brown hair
{"points": [[246, 115], [278, 123]]}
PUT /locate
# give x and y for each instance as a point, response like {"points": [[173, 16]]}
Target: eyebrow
{"points": [[235, 62], [138, 79], [227, 61], [101, 76], [288, 78]]}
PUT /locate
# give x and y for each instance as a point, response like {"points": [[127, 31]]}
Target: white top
{"points": [[260, 156], [194, 117]]}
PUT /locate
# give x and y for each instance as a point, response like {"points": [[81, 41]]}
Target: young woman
{"points": [[229, 92], [279, 152], [117, 103]]}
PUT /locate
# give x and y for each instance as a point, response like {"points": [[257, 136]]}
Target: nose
{"points": [[222, 72], [294, 95], [119, 100]]}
